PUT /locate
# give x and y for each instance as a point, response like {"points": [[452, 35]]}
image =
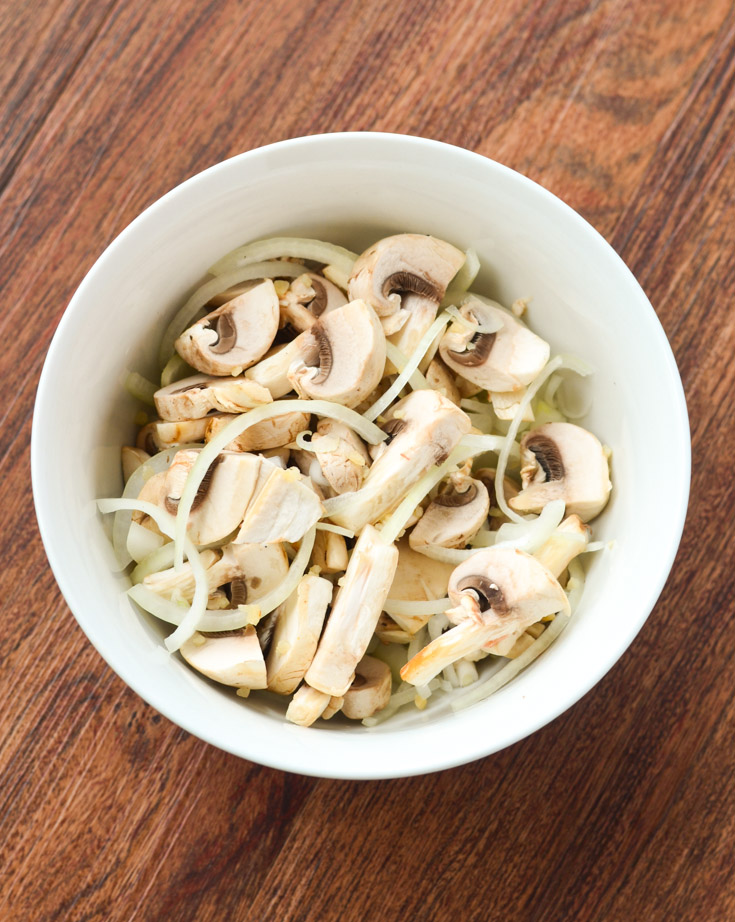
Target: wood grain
{"points": [[621, 809]]}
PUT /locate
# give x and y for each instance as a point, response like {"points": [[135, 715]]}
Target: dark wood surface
{"points": [[623, 808]]}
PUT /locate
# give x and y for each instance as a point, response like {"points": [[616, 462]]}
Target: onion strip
{"points": [[530, 535], [336, 529], [174, 612], [471, 325], [368, 430], [464, 278], [417, 381], [290, 247], [140, 388]]}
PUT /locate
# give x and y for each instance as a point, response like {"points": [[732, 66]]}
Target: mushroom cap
{"points": [[283, 510], [341, 356], [200, 395], [267, 434], [346, 465], [231, 658], [308, 297], [405, 264], [563, 461], [506, 360], [234, 336], [454, 516], [370, 689], [504, 587], [296, 635]]}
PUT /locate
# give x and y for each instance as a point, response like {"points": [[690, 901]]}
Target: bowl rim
{"points": [[301, 759]]}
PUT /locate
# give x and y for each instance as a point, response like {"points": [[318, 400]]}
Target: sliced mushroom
{"points": [[341, 454], [161, 434], [441, 379], [505, 406], [283, 510], [510, 489], [307, 705], [231, 657], [506, 360], [389, 631], [200, 395], [152, 491], [453, 517], [568, 541], [132, 458], [370, 689], [497, 592], [223, 495], [307, 298], [270, 433], [342, 356], [563, 461], [354, 614], [272, 371], [424, 428], [334, 707], [417, 579], [234, 336], [401, 267], [296, 635], [330, 552]]}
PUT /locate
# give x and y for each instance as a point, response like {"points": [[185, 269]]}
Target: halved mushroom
{"points": [[330, 552], [270, 433], [563, 461], [342, 356], [223, 495], [200, 395], [307, 298], [441, 379], [510, 489], [496, 592], [454, 516], [234, 336], [341, 454], [160, 434], [307, 705], [299, 624], [132, 458], [505, 360], [283, 510], [354, 614], [231, 657], [370, 689], [424, 428]]}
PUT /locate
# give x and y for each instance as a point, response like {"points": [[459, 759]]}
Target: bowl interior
{"points": [[352, 190]]}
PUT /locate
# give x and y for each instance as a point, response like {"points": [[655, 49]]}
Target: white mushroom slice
{"points": [[568, 540], [497, 592], [231, 658], [283, 510], [223, 495], [270, 433], [279, 456], [152, 491], [441, 379], [401, 267], [563, 461], [418, 579], [132, 458], [506, 360], [234, 336], [306, 706], [342, 356], [330, 552], [161, 434], [453, 517], [389, 631], [510, 489], [346, 463], [506, 405], [334, 707], [467, 388], [370, 689], [299, 622], [199, 395], [424, 428], [307, 298], [354, 614]]}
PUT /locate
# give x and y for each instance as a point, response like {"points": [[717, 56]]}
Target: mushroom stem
{"points": [[461, 641]]}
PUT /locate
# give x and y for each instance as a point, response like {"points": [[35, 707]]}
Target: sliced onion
{"points": [[286, 247], [406, 609], [337, 529], [338, 275], [175, 369], [186, 315], [473, 326], [451, 555], [140, 388], [160, 559], [575, 584], [464, 278], [410, 367], [417, 381], [479, 444], [368, 430], [141, 542], [167, 524], [175, 612], [559, 361], [529, 535]]}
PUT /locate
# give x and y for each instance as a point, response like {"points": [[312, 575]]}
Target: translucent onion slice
{"points": [[140, 388], [528, 536], [451, 555], [167, 524], [560, 361], [337, 529], [417, 381], [464, 278], [281, 247], [142, 542], [491, 327], [382, 403], [339, 276], [175, 369], [175, 612], [368, 430], [186, 315], [405, 609], [160, 559]]}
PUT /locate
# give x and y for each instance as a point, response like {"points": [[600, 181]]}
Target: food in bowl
{"points": [[362, 546]]}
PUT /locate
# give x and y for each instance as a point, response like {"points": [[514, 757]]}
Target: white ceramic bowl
{"points": [[352, 189]]}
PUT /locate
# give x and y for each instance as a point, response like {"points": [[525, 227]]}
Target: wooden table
{"points": [[623, 808]]}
